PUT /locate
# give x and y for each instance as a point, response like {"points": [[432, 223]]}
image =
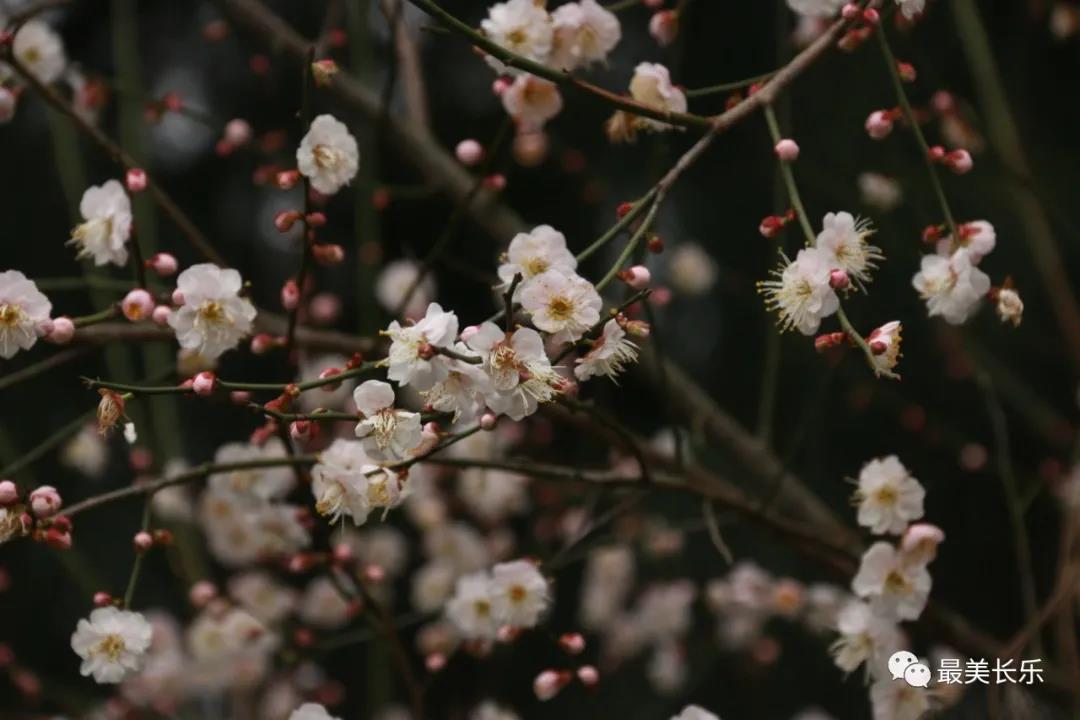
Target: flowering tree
{"points": [[246, 474]]}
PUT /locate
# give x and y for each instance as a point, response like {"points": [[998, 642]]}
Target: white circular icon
{"points": [[917, 675]]}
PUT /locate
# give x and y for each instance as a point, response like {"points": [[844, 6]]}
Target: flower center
{"points": [[535, 266], [886, 495], [560, 308], [517, 593], [111, 646], [325, 157], [212, 311], [10, 315], [517, 36], [896, 583], [482, 608]]}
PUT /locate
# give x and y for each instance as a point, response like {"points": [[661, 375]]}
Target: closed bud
{"points": [[588, 675], [495, 182], [328, 254], [285, 220], [135, 180], [287, 179], [871, 16], [879, 124], [839, 280], [142, 542], [771, 226], [9, 492], [906, 71], [137, 305], [637, 277], [623, 209], [932, 233], [936, 153], [850, 11], [201, 593], [435, 662], [637, 328], [469, 152], [342, 554], [45, 501], [262, 343], [664, 27], [102, 599], [655, 244], [959, 161], [323, 71], [548, 683], [57, 539], [329, 373], [239, 397], [829, 340], [238, 132], [488, 421], [787, 150], [572, 643], [315, 219], [374, 573], [163, 264], [290, 295], [300, 430], [204, 383], [62, 331], [161, 314]]}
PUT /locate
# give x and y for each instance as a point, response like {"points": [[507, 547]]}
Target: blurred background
{"points": [[1011, 68]]}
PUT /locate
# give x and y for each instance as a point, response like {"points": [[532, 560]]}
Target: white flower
{"points": [[87, 452], [111, 643], [214, 318], [521, 374], [519, 593], [565, 305], [884, 342], [387, 433], [11, 522], [490, 710], [471, 608], [1010, 308], [815, 8], [534, 253], [396, 279], [40, 50], [106, 210], [327, 155], [801, 294], [264, 483], [865, 637], [896, 700], [23, 309], [323, 606], [261, 595], [951, 286], [432, 584], [531, 101], [879, 191], [462, 391], [911, 8], [693, 271], [695, 712], [844, 238], [520, 26], [411, 357], [978, 237], [895, 587], [311, 711], [651, 86], [609, 354], [888, 497], [339, 483], [585, 33]]}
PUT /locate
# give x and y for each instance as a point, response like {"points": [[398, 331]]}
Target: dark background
{"points": [[830, 417]]}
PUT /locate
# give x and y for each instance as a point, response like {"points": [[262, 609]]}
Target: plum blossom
{"points": [[652, 86], [880, 191], [398, 278], [865, 637], [24, 313], [815, 8], [895, 587], [609, 354], [387, 433], [695, 712], [911, 8], [39, 49], [214, 318], [328, 156], [977, 236], [884, 343], [534, 253], [339, 482], [412, 359], [521, 26], [111, 643], [521, 374], [888, 497], [844, 238], [311, 711], [531, 101], [471, 608], [103, 236], [585, 32], [565, 305], [462, 391], [894, 700], [519, 593], [800, 293], [951, 286], [267, 483]]}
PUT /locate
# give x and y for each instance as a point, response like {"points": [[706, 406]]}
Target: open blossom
{"points": [[951, 286], [978, 237], [411, 357], [214, 318], [815, 8], [263, 596], [894, 700], [911, 8], [40, 50], [801, 294], [884, 343], [563, 304], [520, 371], [111, 643], [471, 608], [388, 433], [269, 483], [328, 156], [1010, 308], [534, 253], [608, 355], [651, 86], [879, 191], [311, 711], [695, 712], [462, 391], [103, 236], [396, 279], [585, 32], [531, 101], [844, 238], [23, 310], [11, 522], [895, 586], [338, 481], [521, 26], [865, 637], [519, 593], [888, 497]]}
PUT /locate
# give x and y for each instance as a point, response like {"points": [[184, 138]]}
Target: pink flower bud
{"points": [[328, 253], [63, 329], [850, 11], [943, 102], [137, 305], [906, 71], [495, 182], [262, 343], [323, 71], [102, 599], [588, 675], [300, 430], [329, 373], [829, 340], [572, 643], [653, 4], [315, 220], [201, 593], [8, 103], [135, 180], [343, 554], [435, 662], [287, 179], [239, 397], [937, 153], [839, 280], [664, 27], [637, 277], [161, 314], [500, 85], [324, 308], [204, 383], [547, 684], [237, 132], [771, 226], [637, 328], [142, 541], [285, 220], [787, 150], [9, 492], [45, 501], [488, 421], [374, 573], [177, 298], [469, 152], [163, 264], [290, 295], [879, 125], [959, 161], [871, 16]]}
